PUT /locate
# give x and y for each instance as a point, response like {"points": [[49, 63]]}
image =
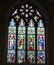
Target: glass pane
{"points": [[31, 56], [40, 42], [21, 30], [41, 57], [11, 56], [31, 42], [26, 11], [11, 42], [21, 56], [31, 30], [21, 42]]}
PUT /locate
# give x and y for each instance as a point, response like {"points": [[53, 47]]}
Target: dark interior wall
{"points": [[48, 6]]}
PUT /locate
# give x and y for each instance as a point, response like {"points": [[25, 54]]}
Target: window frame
{"points": [[45, 18]]}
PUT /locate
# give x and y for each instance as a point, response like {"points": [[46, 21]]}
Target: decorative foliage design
{"points": [[26, 10], [17, 17], [36, 18]]}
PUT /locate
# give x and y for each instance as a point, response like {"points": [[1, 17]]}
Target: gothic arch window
{"points": [[26, 36]]}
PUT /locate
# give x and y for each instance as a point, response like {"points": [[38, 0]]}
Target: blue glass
{"points": [[41, 57]]}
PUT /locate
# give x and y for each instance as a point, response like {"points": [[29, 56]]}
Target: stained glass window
{"points": [[26, 36], [21, 42], [40, 42], [31, 42], [11, 41]]}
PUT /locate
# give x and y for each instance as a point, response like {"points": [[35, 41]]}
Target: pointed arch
{"points": [[36, 16]]}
